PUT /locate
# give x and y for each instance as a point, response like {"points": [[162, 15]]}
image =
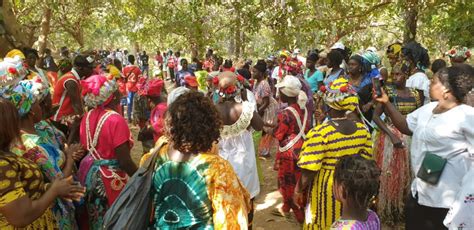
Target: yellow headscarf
{"points": [[15, 52], [340, 95], [394, 48]]}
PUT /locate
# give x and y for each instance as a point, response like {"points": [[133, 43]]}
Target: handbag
{"points": [[132, 208], [431, 168]]}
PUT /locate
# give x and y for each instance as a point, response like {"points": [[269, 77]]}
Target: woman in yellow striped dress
{"points": [[325, 145]]}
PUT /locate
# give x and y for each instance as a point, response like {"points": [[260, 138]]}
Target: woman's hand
{"points": [[67, 189], [397, 142], [75, 151], [298, 199], [383, 99]]}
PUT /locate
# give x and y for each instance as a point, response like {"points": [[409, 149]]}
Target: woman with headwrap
{"points": [[52, 161], [391, 149], [152, 130], [236, 144], [393, 54], [279, 71], [104, 171], [325, 145], [293, 123], [458, 54], [418, 60], [267, 106]]}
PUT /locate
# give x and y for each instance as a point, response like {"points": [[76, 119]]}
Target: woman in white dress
{"points": [[236, 143]]}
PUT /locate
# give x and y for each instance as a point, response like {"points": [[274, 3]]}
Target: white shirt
{"points": [[449, 135], [420, 81], [461, 213]]}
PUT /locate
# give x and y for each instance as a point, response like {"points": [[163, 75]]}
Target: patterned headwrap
{"points": [[340, 95], [14, 53], [12, 71], [459, 51], [228, 84], [24, 94], [97, 90], [373, 59], [151, 87], [284, 53], [394, 48]]}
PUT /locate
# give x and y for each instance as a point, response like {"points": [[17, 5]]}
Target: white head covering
{"points": [[291, 87], [338, 45], [175, 93]]}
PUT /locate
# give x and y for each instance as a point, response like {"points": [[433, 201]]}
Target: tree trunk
{"points": [[12, 35], [411, 19], [45, 29]]}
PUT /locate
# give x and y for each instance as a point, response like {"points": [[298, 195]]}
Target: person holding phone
{"points": [[440, 130], [391, 147]]}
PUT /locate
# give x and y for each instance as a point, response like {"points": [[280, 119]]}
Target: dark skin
{"points": [[355, 78], [259, 77], [311, 65], [230, 112], [349, 210], [334, 67], [27, 125], [438, 91], [413, 70], [342, 125], [23, 211], [122, 151], [399, 80]]}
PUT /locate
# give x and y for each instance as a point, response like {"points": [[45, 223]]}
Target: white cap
{"points": [[338, 45], [297, 51], [291, 83], [175, 93], [372, 49]]}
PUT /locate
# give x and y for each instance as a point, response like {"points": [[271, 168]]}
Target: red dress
{"points": [[288, 172]]}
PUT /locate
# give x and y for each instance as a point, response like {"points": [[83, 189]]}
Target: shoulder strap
{"points": [[301, 133], [91, 141]]}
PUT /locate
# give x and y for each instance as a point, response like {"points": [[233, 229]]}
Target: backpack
{"points": [[132, 208]]}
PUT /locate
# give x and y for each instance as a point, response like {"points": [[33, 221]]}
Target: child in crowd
{"points": [[356, 183]]}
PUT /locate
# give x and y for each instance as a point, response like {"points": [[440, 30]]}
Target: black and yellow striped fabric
{"points": [[320, 153]]}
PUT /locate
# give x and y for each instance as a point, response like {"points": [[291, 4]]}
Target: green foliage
{"points": [[247, 27]]}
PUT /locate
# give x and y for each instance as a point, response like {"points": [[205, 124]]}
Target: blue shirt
{"points": [[314, 79], [181, 74]]}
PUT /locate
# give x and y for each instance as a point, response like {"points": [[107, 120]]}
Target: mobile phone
{"points": [[377, 85]]}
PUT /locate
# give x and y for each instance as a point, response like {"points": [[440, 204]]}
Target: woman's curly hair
{"points": [[192, 123], [459, 79], [359, 178]]}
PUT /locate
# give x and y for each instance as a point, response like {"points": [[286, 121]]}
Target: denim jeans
{"points": [[130, 105]]}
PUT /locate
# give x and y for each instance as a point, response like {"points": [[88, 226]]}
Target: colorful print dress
{"points": [[20, 177], [394, 162], [50, 161], [102, 131], [372, 223], [202, 193], [320, 152]]}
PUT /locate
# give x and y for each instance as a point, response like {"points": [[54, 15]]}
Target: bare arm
{"points": [[397, 118], [72, 90], [23, 211], [124, 158], [256, 122], [382, 126], [264, 105]]}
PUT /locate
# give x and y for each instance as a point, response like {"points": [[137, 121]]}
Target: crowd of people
{"points": [[355, 144]]}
